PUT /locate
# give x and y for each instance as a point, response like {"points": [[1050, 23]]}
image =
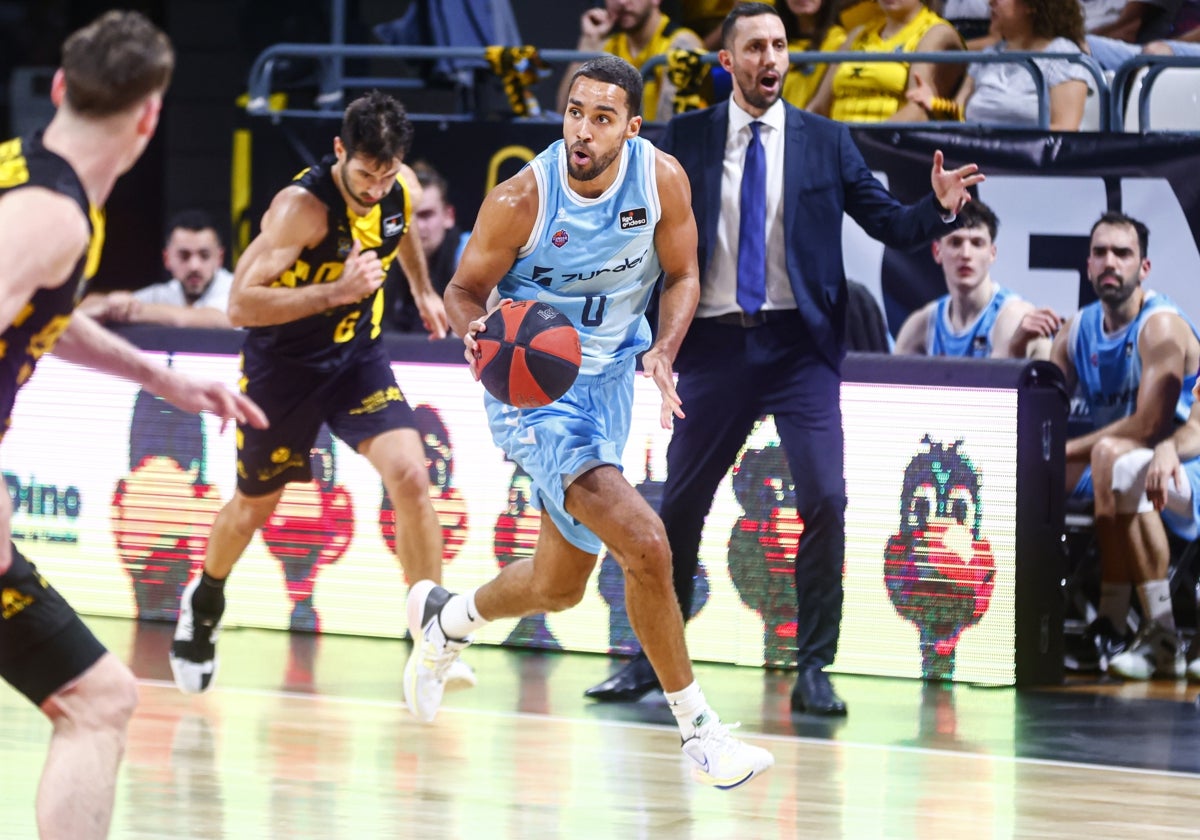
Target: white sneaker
{"points": [[194, 651], [721, 760], [460, 676], [1154, 652], [432, 653]]}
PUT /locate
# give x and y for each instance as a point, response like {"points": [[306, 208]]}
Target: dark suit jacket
{"points": [[824, 176]]}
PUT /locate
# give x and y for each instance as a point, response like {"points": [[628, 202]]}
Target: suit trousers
{"points": [[729, 376]]}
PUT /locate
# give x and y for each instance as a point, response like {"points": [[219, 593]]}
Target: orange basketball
{"points": [[529, 354]]}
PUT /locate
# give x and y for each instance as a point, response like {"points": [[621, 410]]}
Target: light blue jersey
{"points": [[1109, 366], [975, 341], [593, 258], [1109, 369]]}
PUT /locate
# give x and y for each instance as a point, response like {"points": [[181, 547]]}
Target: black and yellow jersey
{"points": [[25, 162], [328, 339]]}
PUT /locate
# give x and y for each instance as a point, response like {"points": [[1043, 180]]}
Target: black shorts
{"points": [[359, 401], [43, 643]]}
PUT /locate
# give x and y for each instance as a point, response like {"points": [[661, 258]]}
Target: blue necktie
{"points": [[752, 231]]}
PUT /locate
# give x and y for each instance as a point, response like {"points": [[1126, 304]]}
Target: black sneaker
{"points": [[194, 651], [1100, 643]]}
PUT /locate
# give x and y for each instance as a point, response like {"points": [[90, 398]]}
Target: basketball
{"points": [[529, 354]]}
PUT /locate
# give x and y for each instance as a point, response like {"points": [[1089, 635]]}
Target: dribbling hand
{"points": [[472, 353]]}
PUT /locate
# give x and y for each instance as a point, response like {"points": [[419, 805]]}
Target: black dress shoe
{"points": [[630, 683], [814, 694]]}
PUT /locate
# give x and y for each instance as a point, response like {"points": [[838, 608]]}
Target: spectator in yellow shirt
{"points": [[810, 27], [876, 91]]}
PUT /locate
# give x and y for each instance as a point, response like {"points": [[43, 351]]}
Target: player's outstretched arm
{"points": [[87, 343], [675, 242], [503, 225]]}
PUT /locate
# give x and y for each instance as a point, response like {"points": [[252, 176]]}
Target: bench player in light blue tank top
{"points": [[977, 318], [976, 341], [1134, 356], [588, 227]]}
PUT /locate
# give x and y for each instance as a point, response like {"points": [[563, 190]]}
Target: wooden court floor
{"points": [[309, 738]]}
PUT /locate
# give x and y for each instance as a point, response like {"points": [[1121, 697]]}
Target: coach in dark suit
{"points": [[770, 184]]}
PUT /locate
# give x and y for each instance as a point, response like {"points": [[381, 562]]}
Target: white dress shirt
{"points": [[171, 292], [718, 292]]}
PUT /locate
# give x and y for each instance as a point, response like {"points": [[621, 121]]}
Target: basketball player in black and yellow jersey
{"points": [[309, 291], [53, 186]]}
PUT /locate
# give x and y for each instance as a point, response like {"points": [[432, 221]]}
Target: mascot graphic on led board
{"points": [[448, 502], [939, 570], [516, 537], [611, 580], [310, 527], [762, 547], [163, 509]]}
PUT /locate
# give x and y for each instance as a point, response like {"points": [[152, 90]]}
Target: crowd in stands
{"points": [[986, 93]]}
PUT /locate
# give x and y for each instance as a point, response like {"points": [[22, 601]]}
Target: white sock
{"points": [[689, 707], [1156, 602], [459, 618], [1114, 604]]}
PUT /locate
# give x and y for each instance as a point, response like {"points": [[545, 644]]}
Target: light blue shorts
{"points": [[1111, 53], [1178, 522], [586, 428]]}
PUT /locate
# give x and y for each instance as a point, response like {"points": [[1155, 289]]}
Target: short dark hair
{"points": [[114, 62], [1119, 219], [745, 10], [617, 71], [427, 177], [193, 219], [376, 126], [977, 214]]}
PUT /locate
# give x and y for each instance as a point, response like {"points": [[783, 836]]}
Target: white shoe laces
{"points": [[440, 663], [719, 736]]}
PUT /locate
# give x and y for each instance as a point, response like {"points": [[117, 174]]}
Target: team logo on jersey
{"points": [[1095, 360], [633, 218], [559, 239], [393, 225], [344, 244], [12, 601]]}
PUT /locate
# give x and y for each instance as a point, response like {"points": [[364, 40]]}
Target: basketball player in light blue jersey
{"points": [[977, 318], [1135, 358], [588, 226]]}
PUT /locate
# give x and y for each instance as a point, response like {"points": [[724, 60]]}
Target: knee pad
{"points": [[1129, 481]]}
